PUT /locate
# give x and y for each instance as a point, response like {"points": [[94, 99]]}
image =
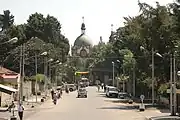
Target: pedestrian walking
{"points": [[102, 85], [12, 106], [52, 93], [20, 111], [98, 87], [55, 99]]}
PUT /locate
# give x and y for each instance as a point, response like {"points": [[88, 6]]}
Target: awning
{"points": [[7, 89], [6, 76]]}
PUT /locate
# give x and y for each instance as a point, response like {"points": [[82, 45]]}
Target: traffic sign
{"points": [[142, 97]]}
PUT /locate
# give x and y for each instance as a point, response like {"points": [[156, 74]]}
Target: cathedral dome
{"points": [[83, 40]]}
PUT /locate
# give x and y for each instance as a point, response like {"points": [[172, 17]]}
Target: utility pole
{"points": [[36, 74], [45, 74], [113, 72], [56, 77], [20, 72], [117, 81], [174, 81], [123, 80], [23, 73], [49, 71], [152, 75], [171, 88]]}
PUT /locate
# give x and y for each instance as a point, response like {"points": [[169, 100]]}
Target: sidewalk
{"points": [[151, 111], [30, 105]]}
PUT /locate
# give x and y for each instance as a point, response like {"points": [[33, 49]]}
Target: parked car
{"points": [[59, 88], [112, 92], [85, 81], [71, 87], [125, 97], [82, 92]]}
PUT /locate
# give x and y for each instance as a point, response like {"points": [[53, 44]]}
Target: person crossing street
{"points": [[20, 111]]}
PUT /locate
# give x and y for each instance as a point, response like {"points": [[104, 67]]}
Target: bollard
{"points": [[141, 107]]}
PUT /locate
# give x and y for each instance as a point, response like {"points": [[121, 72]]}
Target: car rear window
{"points": [[81, 90]]}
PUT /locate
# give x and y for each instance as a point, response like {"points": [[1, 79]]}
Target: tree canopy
{"points": [[155, 27], [40, 34]]}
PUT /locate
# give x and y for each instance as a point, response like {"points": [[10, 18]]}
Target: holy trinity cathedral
{"points": [[82, 48]]}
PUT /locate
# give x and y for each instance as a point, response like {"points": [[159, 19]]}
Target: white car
{"points": [[125, 97], [82, 92], [112, 91]]}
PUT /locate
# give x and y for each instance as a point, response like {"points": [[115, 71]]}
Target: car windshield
{"points": [[71, 85], [113, 89]]}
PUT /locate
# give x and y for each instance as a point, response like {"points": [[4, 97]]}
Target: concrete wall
{"points": [[27, 88], [6, 99]]}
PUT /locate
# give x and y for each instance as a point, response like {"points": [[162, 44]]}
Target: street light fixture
{"points": [[50, 60], [57, 61], [13, 40], [44, 53]]}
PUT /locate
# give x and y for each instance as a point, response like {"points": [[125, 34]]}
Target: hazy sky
{"points": [[99, 14]]}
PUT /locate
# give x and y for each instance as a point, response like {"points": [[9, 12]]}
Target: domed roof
{"points": [[83, 40]]}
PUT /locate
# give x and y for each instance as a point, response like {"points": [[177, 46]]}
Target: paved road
{"points": [[95, 107]]}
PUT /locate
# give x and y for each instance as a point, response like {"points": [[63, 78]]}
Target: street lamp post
{"points": [[173, 85], [57, 62], [113, 72], [36, 75], [152, 52], [45, 71], [20, 76], [50, 60], [152, 75], [171, 88], [118, 75], [57, 75], [134, 81], [174, 81]]}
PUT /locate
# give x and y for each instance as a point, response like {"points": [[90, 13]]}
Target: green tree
{"points": [[6, 20]]}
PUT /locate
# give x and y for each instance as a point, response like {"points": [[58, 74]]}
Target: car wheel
{"points": [[130, 102], [85, 96], [70, 89], [141, 110]]}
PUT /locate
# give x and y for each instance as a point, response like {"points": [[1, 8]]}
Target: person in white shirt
{"points": [[20, 111]]}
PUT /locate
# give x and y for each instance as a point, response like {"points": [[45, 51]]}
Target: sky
{"points": [[98, 14]]}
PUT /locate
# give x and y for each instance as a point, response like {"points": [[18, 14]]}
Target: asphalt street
{"points": [[95, 107]]}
